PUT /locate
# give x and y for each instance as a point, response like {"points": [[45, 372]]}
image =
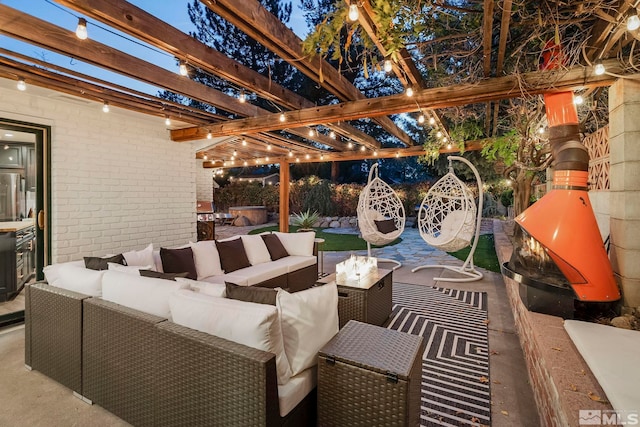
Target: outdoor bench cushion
{"points": [[250, 276], [295, 262]]}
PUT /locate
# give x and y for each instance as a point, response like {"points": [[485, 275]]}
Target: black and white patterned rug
{"points": [[455, 368]]}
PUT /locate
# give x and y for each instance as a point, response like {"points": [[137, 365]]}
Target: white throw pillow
{"points": [[130, 269], [146, 294], [254, 325], [218, 290], [73, 277], [256, 249], [143, 257], [206, 259], [309, 320], [297, 243], [52, 272]]}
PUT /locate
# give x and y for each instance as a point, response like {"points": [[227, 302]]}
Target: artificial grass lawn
{"points": [[332, 241], [485, 254]]}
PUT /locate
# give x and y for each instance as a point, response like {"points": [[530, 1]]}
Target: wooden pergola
{"points": [[259, 136]]}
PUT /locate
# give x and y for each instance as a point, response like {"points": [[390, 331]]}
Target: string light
{"points": [[182, 69], [438, 134], [421, 118], [444, 139], [290, 153], [321, 156], [633, 23], [388, 66], [204, 157], [354, 13], [209, 135], [350, 144], [269, 147], [375, 153], [105, 107], [266, 159], [311, 132], [332, 135], [282, 117], [578, 99], [242, 97], [21, 84], [244, 142], [235, 153], [167, 121], [233, 161], [307, 156], [397, 154], [297, 159], [245, 163], [599, 69], [432, 121], [449, 146], [81, 29], [541, 129], [409, 92], [363, 148]]}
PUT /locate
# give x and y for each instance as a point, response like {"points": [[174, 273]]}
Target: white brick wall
{"points": [[118, 181], [204, 182]]}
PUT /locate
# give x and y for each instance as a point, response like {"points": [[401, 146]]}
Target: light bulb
{"points": [[81, 29], [269, 147], [235, 153], [183, 69], [244, 142], [432, 121], [633, 23], [388, 66], [350, 144], [353, 12], [409, 92], [204, 157], [444, 139], [290, 153], [321, 156], [282, 117], [578, 99], [375, 153], [297, 159], [242, 97], [105, 107], [363, 148], [233, 161], [421, 118], [599, 69], [332, 135], [21, 84], [311, 132], [438, 134], [449, 146], [307, 156], [245, 163], [209, 135], [266, 159], [167, 121], [541, 129], [397, 154]]}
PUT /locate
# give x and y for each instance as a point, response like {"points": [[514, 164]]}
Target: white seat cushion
{"points": [[296, 389], [297, 243], [309, 320], [251, 275], [146, 294], [73, 276], [254, 325], [295, 262], [143, 257], [206, 259], [256, 249]]}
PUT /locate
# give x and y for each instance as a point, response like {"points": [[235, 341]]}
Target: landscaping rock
{"points": [[317, 223], [353, 220], [334, 224], [623, 322], [324, 224], [241, 221], [345, 223]]}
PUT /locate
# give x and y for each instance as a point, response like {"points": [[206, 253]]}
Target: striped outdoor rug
{"points": [[455, 368]]}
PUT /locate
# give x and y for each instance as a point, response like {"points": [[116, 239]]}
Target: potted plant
{"points": [[305, 220]]}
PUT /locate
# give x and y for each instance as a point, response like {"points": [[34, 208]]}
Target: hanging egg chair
{"points": [[380, 213]]}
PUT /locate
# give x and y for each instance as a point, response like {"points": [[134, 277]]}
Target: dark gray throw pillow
{"points": [[232, 255], [97, 263], [251, 293], [386, 226], [274, 246], [159, 275], [179, 261]]}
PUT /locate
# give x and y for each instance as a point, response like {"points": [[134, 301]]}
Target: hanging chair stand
{"points": [[467, 271], [378, 201]]}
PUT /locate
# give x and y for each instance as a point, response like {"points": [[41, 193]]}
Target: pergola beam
{"points": [[253, 19], [140, 24], [513, 86]]}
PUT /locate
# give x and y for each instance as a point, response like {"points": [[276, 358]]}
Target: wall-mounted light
{"points": [[81, 29], [105, 107], [599, 69], [21, 85], [354, 13]]}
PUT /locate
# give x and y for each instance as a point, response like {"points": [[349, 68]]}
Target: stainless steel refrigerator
{"points": [[11, 197]]}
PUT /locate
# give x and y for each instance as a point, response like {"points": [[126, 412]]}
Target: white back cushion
{"points": [[52, 272], [73, 277], [255, 248], [206, 258], [146, 294], [212, 289], [143, 257], [254, 325], [297, 243], [309, 320], [131, 269]]}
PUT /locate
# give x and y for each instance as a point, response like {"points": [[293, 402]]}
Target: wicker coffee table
{"points": [[366, 300]]}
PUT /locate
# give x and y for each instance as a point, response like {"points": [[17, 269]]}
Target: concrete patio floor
{"points": [[31, 399]]}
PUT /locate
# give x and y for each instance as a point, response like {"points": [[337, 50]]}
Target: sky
{"points": [[173, 12]]}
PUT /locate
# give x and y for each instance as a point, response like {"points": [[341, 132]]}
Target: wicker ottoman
{"points": [[370, 376], [367, 301]]}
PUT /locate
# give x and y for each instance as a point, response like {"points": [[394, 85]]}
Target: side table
{"points": [[370, 376]]}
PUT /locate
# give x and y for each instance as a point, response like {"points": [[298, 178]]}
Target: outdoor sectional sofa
{"points": [[137, 358]]}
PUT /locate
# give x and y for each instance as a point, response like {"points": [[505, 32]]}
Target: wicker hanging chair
{"points": [[380, 213]]}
